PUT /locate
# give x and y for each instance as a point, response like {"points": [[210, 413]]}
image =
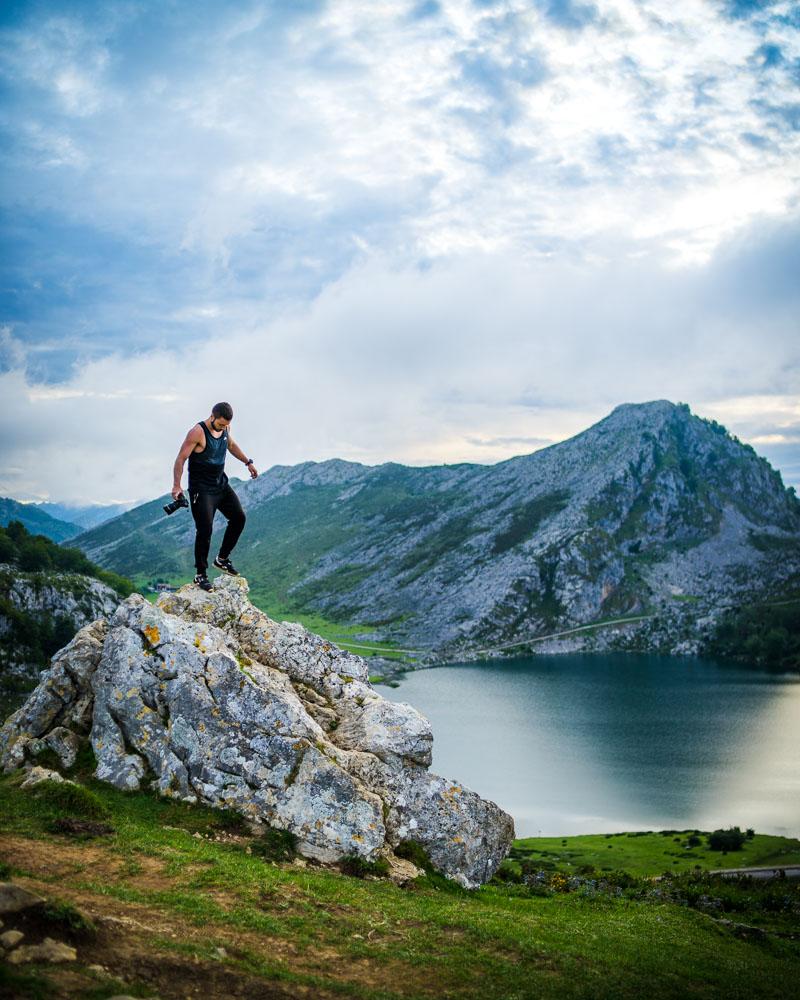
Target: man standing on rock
{"points": [[209, 490]]}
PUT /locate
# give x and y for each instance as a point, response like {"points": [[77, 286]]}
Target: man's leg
{"points": [[231, 508], [203, 508]]}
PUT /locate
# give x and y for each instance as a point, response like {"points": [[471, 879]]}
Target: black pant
{"points": [[204, 506]]}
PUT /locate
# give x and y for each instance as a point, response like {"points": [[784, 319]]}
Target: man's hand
{"points": [[253, 471], [176, 491]]}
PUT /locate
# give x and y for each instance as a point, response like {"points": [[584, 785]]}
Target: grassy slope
{"points": [[341, 936], [651, 853]]}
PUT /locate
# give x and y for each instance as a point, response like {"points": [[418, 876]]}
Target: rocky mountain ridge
{"points": [[651, 511]]}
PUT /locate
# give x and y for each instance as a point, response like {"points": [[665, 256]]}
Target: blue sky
{"points": [[410, 231]]}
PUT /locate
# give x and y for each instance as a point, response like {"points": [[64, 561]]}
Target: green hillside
{"points": [[37, 521], [650, 852], [166, 895]]}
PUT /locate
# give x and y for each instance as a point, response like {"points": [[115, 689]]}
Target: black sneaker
{"points": [[202, 581], [226, 565]]}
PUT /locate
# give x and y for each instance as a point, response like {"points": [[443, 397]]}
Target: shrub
{"points": [[64, 797], [7, 549], [355, 865], [731, 839], [66, 917], [414, 852], [621, 878], [505, 873], [275, 845], [232, 821], [82, 828]]}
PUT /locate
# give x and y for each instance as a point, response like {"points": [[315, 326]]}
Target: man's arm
{"points": [[188, 446], [237, 452]]}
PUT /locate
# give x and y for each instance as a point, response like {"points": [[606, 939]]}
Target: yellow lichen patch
{"points": [[201, 727], [131, 692], [357, 836], [199, 642], [143, 712], [152, 634], [118, 695], [458, 840]]}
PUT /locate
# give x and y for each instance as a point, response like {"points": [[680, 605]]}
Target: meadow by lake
{"points": [[605, 743]]}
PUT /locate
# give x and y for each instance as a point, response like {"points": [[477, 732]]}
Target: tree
{"points": [[8, 550], [731, 839]]}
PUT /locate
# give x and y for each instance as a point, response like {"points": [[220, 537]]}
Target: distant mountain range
{"points": [[651, 511], [58, 521]]}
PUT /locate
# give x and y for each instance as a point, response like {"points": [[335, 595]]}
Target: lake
{"points": [[600, 743]]}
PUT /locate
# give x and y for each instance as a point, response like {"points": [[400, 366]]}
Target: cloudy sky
{"points": [[421, 232]]}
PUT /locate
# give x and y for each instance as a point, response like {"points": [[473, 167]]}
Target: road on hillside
{"points": [[791, 871]]}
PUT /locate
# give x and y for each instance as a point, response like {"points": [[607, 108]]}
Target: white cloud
{"points": [[272, 185], [472, 360], [358, 100]]}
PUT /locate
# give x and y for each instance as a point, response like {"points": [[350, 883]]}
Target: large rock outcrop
{"points": [[208, 699]]}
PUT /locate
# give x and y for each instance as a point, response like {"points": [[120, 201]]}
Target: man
{"points": [[209, 491]]}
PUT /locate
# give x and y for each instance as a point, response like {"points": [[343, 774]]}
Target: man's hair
{"points": [[224, 410]]}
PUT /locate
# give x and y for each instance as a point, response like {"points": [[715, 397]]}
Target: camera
{"points": [[170, 508]]}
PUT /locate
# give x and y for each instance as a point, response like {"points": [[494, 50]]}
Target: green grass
{"points": [[650, 853], [434, 938]]}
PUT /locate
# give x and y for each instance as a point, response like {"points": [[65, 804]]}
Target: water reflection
{"points": [[580, 744]]}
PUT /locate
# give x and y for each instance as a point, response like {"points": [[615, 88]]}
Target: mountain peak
{"points": [[649, 502], [654, 411]]}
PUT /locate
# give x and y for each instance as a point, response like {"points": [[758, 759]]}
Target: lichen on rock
{"points": [[208, 699]]}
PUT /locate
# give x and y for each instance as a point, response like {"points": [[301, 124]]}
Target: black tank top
{"points": [[207, 467]]}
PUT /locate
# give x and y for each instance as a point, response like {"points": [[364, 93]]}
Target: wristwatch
{"points": [[249, 461]]}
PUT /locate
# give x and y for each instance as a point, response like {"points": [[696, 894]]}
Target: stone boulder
{"points": [[207, 699]]}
